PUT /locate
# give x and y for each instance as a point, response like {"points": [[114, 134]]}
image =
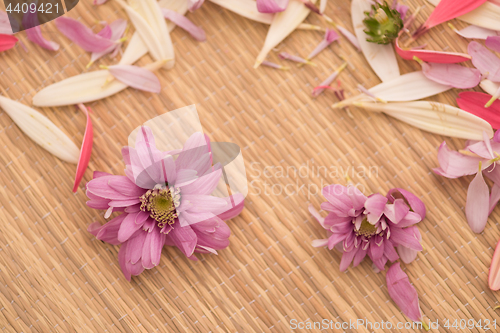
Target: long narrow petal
{"points": [[328, 80], [434, 117], [474, 32], [195, 4], [322, 6], [183, 22], [118, 28], [484, 60], [82, 35], [381, 58], [41, 130], [452, 74], [494, 274], [494, 197], [136, 77], [403, 293], [478, 203], [474, 103], [34, 33], [7, 42], [432, 56], [447, 10], [487, 15], [291, 57], [350, 37], [147, 18], [85, 151], [283, 24], [330, 36], [246, 8], [271, 6], [407, 87]]}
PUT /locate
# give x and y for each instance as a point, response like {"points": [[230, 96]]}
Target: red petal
{"points": [[494, 275], [7, 42], [432, 56], [473, 102], [447, 10], [85, 152]]}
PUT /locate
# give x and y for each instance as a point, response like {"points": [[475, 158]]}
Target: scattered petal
{"points": [[195, 4], [136, 77], [5, 27], [451, 74], [183, 22], [493, 43], [322, 5], [246, 8], [447, 10], [82, 35], [486, 16], [99, 2], [271, 6], [330, 36], [474, 32], [291, 57], [403, 293], [484, 60], [273, 65], [478, 203], [350, 37], [381, 58], [41, 130], [474, 103], [34, 33], [7, 42], [432, 56], [329, 80], [117, 29], [86, 150], [434, 117]]}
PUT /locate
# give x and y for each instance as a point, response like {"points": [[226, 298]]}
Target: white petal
{"points": [[41, 130], [381, 58], [489, 86], [283, 24], [487, 15], [434, 117], [245, 8]]}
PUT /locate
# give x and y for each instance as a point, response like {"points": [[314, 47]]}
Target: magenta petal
{"points": [[454, 164], [375, 205], [347, 258], [330, 36], [271, 6], [34, 33], [118, 28], [85, 151], [183, 22], [235, 205], [415, 203], [484, 60], [184, 238], [136, 77], [477, 206], [432, 56], [406, 237], [474, 102], [452, 75], [7, 42], [123, 262], [403, 293], [131, 223], [397, 211], [493, 42], [82, 35]]}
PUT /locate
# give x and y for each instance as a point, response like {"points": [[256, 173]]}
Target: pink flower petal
{"points": [[413, 201], [375, 205], [183, 22], [432, 56], [117, 29], [494, 197], [271, 6], [478, 203], [494, 274], [485, 61], [402, 9], [86, 150], [34, 33], [82, 35], [99, 2], [7, 42], [136, 77], [451, 74], [350, 37], [330, 36], [105, 32], [403, 293], [273, 65], [474, 32], [447, 10], [493, 43], [5, 27], [194, 4], [474, 102], [291, 57]]}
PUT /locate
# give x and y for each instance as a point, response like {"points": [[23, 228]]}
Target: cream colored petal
{"points": [[486, 16], [381, 58], [434, 117], [245, 8], [283, 24], [489, 86], [41, 130]]}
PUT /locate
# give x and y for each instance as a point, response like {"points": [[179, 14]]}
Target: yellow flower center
{"points": [[161, 204], [381, 16], [366, 229]]}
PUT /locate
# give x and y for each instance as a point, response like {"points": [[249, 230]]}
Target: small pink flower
{"points": [[371, 226], [163, 202]]}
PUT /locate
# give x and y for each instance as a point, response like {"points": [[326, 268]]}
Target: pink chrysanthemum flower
{"points": [[165, 201], [373, 226]]}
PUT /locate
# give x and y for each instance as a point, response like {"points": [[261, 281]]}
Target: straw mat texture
{"points": [[56, 277]]}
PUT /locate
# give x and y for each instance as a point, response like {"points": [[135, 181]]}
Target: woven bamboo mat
{"points": [[56, 277]]}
